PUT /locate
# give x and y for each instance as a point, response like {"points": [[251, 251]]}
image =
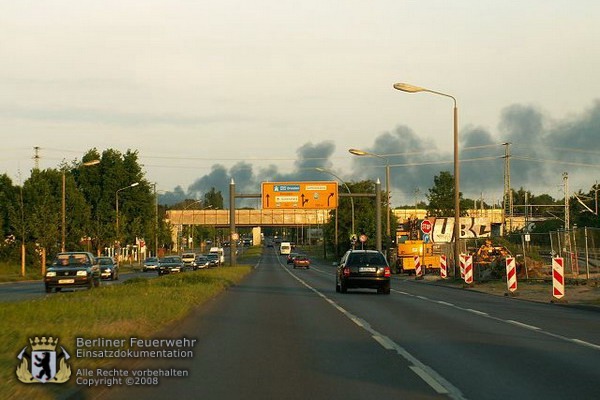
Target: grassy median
{"points": [[138, 307]]}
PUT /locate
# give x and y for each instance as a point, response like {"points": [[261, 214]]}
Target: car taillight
{"points": [[386, 272], [346, 271]]}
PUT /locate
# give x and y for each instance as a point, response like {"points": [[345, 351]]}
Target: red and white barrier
{"points": [[468, 269], [443, 267], [558, 278], [511, 274], [418, 269], [462, 266]]}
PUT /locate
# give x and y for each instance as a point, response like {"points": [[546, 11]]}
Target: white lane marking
{"points": [[432, 377], [429, 380], [507, 321], [587, 344], [476, 312], [480, 313], [522, 325], [384, 341]]}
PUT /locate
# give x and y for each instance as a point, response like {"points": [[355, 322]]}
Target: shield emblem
{"points": [[43, 365]]}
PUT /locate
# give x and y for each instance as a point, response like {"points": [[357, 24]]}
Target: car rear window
{"points": [[357, 259]]}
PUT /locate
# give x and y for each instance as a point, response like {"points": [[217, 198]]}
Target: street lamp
{"points": [[117, 209], [64, 203], [182, 210], [405, 87], [357, 152], [347, 188]]}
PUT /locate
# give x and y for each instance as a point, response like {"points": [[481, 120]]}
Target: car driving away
{"points": [[301, 262], [72, 270], [363, 269], [169, 265], [109, 269]]}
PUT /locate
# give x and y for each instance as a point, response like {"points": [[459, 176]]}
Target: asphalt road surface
{"points": [[286, 334]]}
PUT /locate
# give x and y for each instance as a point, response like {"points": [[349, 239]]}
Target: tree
{"points": [[364, 216], [214, 198], [441, 196]]}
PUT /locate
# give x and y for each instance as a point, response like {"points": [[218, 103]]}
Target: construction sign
{"points": [[304, 195]]}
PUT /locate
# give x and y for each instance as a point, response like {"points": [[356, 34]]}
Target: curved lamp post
{"points": [[347, 188], [405, 87], [117, 208], [388, 230], [64, 203]]}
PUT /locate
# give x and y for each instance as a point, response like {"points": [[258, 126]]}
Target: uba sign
{"points": [[442, 228]]}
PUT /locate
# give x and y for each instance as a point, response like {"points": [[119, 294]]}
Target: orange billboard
{"points": [[304, 195]]}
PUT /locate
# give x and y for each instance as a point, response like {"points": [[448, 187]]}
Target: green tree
{"points": [[214, 198], [441, 196], [364, 217]]}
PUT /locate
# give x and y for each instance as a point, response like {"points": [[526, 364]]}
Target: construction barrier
{"points": [[468, 269], [558, 278], [443, 267], [462, 266], [418, 270], [511, 274]]}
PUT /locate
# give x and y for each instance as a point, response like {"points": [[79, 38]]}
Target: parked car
{"points": [[109, 269], [200, 262], [363, 269], [188, 259], [169, 265], [150, 264], [301, 262], [71, 270], [213, 259]]}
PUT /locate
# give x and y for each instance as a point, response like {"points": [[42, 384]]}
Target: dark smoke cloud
{"points": [[539, 148], [248, 178]]}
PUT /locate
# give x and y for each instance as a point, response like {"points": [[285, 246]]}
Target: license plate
{"points": [[66, 281], [367, 269]]}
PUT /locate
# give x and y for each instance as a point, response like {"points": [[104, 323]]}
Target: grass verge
{"points": [[138, 307]]}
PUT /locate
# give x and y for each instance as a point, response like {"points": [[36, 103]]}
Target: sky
{"points": [[268, 90]]}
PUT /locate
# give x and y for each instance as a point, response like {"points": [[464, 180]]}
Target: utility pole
{"points": [[566, 190], [36, 157], [507, 209]]}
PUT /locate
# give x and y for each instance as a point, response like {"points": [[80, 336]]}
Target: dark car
{"points": [[109, 269], [213, 259], [200, 262], [150, 264], [169, 265], [301, 262], [363, 269], [71, 270]]}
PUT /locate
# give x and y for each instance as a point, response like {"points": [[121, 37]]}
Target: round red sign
{"points": [[426, 226]]}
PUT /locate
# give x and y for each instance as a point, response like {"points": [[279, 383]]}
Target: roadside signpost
{"points": [[418, 268], [443, 267], [320, 195], [558, 278], [511, 274], [468, 269], [426, 227]]}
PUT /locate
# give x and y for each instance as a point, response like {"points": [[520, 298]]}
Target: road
{"points": [[285, 333], [17, 291]]}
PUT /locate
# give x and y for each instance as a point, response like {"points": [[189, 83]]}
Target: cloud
{"points": [[540, 150]]}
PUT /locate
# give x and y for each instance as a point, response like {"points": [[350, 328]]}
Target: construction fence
{"points": [[579, 248]]}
